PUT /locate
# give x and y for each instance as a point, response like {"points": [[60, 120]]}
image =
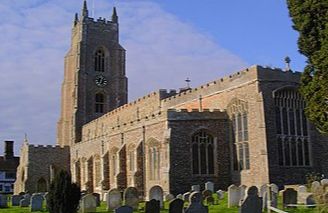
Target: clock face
{"points": [[100, 81]]}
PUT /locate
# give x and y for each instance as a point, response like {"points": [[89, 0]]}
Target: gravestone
{"points": [[302, 194], [3, 201], [220, 194], [209, 186], [113, 199], [24, 202], [131, 197], [289, 196], [27, 197], [324, 182], [36, 202], [186, 196], [169, 197], [124, 209], [302, 189], [195, 188], [252, 203], [263, 189], [207, 193], [315, 186], [274, 199], [97, 196], [152, 206], [274, 188], [310, 200], [233, 195], [179, 196], [15, 199], [176, 206], [196, 204], [243, 189], [209, 200], [156, 193], [88, 203]]}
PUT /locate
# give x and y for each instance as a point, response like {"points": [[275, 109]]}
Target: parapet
{"points": [[46, 147], [195, 114]]}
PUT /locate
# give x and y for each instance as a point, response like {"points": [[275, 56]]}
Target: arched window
{"points": [[291, 128], [42, 185], [99, 103], [202, 154], [99, 61]]}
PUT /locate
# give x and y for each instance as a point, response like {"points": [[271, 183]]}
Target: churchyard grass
{"points": [[222, 207]]}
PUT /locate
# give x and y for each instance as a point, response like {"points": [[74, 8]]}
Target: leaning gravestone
{"points": [[324, 182], [252, 203], [113, 199], [36, 202], [289, 196], [169, 197], [24, 202], [97, 196], [220, 194], [88, 203], [124, 209], [15, 199], [209, 186], [186, 196], [131, 197], [152, 206], [156, 192], [274, 199], [195, 188], [315, 186], [176, 206], [233, 195], [3, 201], [196, 204]]}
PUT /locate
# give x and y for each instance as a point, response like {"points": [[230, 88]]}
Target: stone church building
{"points": [[247, 128]]}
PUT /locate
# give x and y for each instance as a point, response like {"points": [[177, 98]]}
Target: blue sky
{"points": [[166, 41]]}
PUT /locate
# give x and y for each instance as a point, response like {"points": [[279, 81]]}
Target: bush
{"points": [[63, 195]]}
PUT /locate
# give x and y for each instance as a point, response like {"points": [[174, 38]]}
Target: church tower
{"points": [[94, 78]]}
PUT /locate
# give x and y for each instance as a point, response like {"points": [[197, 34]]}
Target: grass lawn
{"points": [[221, 207]]}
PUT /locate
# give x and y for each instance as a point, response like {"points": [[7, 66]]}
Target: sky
{"points": [[166, 42]]}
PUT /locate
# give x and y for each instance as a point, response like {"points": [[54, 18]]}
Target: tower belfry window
{"points": [[99, 103], [99, 61]]}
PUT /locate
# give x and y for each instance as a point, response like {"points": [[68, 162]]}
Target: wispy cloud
{"points": [[161, 52]]}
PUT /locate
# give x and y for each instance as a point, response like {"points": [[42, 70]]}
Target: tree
{"points": [[64, 195], [310, 19]]}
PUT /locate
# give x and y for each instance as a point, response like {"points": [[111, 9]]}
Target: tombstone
{"points": [[310, 200], [209, 200], [152, 206], [263, 189], [27, 197], [195, 188], [274, 188], [97, 196], [185, 196], [302, 194], [209, 186], [274, 199], [169, 197], [207, 193], [302, 189], [196, 204], [233, 195], [36, 202], [315, 186], [124, 209], [88, 203], [3, 201], [156, 193], [324, 182], [289, 196], [113, 199], [24, 202], [243, 189], [179, 196], [252, 203], [220, 194], [131, 197], [176, 206], [15, 199]]}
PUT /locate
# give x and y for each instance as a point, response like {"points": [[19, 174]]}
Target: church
{"points": [[247, 128]]}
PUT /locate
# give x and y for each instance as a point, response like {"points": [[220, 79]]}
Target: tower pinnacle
{"points": [[85, 11], [114, 16]]}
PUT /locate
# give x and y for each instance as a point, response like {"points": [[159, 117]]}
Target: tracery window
{"points": [[99, 59], [240, 143], [291, 129], [202, 153], [99, 103]]}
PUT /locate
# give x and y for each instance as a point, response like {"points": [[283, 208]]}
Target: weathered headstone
{"points": [[263, 189], [156, 193], [152, 206], [113, 199], [252, 203], [289, 196], [242, 189], [302, 189], [3, 201], [209, 186], [274, 188], [195, 188], [220, 194], [27, 197], [302, 194], [324, 182], [88, 203], [233, 195], [169, 197], [310, 200], [176, 206], [315, 186], [124, 209], [196, 204], [131, 197], [179, 196], [24, 202], [36, 202], [274, 199], [186, 196], [97, 196], [15, 199], [207, 193]]}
